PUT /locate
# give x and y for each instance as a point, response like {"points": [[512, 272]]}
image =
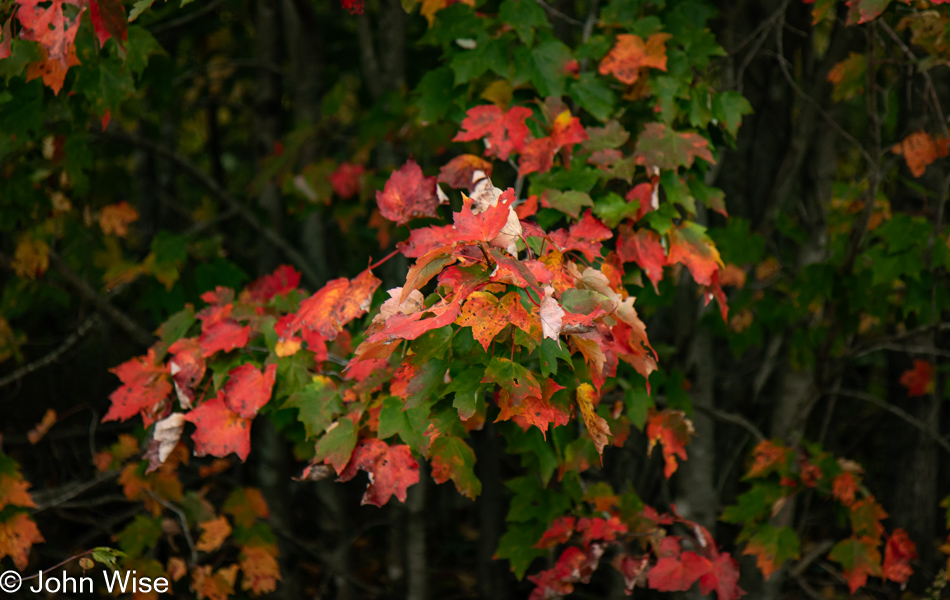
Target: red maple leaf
{"points": [[408, 194], [597, 528], [223, 336], [677, 574], [283, 280], [49, 26], [346, 179], [644, 249], [584, 236], [503, 133], [566, 131], [220, 431], [558, 533], [537, 157], [392, 469], [723, 576], [409, 327], [354, 6], [333, 306], [248, 389], [426, 239], [540, 412], [487, 224], [643, 194], [187, 368], [458, 172], [898, 554], [919, 381], [631, 567], [145, 383], [690, 246], [109, 20], [672, 429]]}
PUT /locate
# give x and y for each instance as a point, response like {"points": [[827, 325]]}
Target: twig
{"points": [[590, 22], [860, 351], [46, 499], [801, 94], [930, 84], [814, 554], [59, 564], [185, 19], [559, 14], [184, 524], [806, 587], [733, 418], [86, 291], [910, 419], [221, 194], [53, 356], [874, 135]]}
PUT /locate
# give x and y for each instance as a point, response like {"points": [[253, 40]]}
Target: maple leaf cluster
{"points": [[54, 29], [643, 550], [18, 531], [779, 472], [496, 317]]}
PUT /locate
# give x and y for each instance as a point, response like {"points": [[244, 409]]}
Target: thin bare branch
{"points": [[52, 498], [53, 356], [931, 90], [907, 417], [86, 291], [184, 524], [783, 66], [733, 418], [559, 14]]}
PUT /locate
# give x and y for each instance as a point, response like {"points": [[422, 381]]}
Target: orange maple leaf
{"points": [[672, 429], [17, 535], [115, 218], [52, 70], [260, 568], [631, 53], [13, 492], [487, 315], [919, 150], [213, 534]]}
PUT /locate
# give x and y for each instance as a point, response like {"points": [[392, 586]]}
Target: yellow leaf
{"points": [[31, 258], [213, 534], [596, 426]]}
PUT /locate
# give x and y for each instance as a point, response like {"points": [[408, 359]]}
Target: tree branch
{"points": [[53, 356], [46, 499], [184, 524], [727, 417], [910, 419], [221, 194], [86, 291], [559, 14]]}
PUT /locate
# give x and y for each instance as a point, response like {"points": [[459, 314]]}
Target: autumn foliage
{"points": [[562, 202]]}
